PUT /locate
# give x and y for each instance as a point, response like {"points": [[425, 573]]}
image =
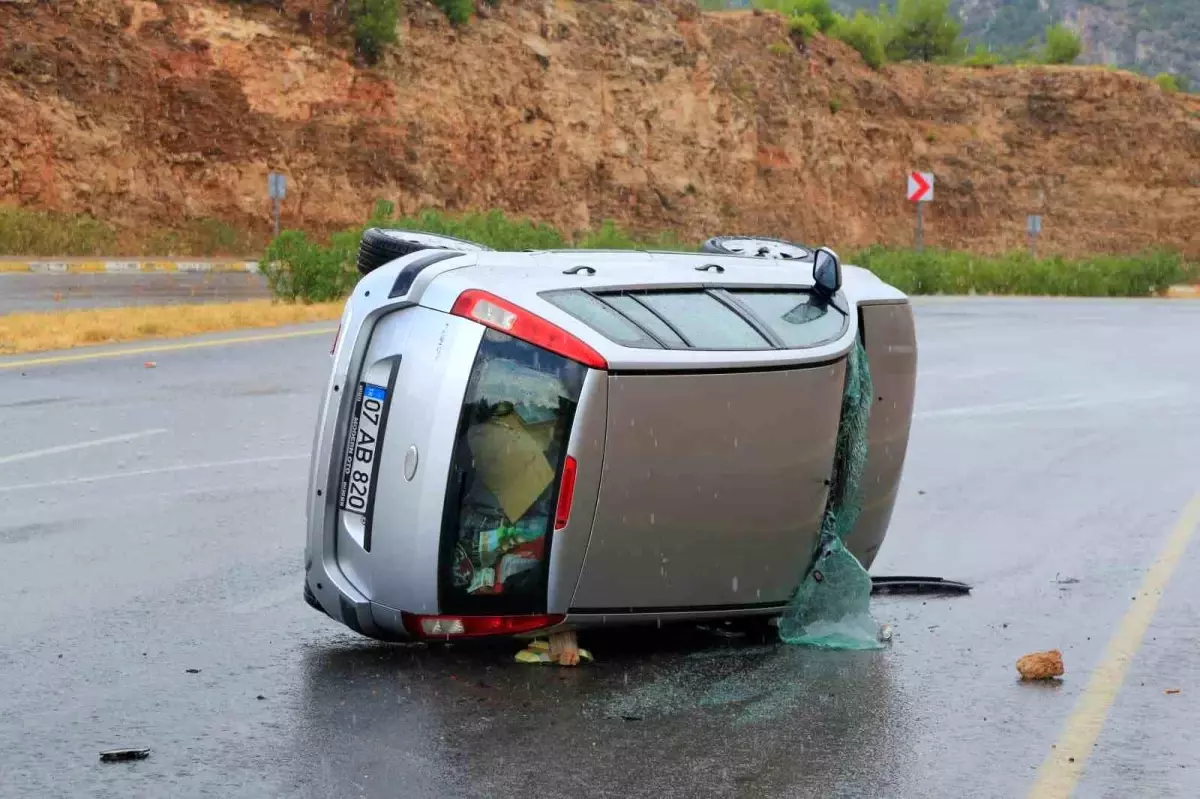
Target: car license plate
{"points": [[362, 449]]}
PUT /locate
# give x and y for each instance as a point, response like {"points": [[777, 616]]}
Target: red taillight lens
{"points": [[566, 494], [488, 309], [474, 626]]}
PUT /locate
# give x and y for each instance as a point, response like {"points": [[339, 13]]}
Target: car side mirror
{"points": [[827, 271]]}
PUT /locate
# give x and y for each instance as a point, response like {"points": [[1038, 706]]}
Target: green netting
{"points": [[831, 609]]}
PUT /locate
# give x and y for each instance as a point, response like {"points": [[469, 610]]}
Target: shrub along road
{"points": [[153, 524]]}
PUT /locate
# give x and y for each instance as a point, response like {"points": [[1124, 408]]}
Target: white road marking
{"points": [[959, 374], [184, 467], [1066, 403], [1063, 766], [39, 453]]}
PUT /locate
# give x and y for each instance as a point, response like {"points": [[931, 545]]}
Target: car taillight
{"points": [[471, 626], [488, 309], [566, 494]]}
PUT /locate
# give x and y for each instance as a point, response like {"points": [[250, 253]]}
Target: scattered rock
{"points": [[192, 671], [1041, 665]]}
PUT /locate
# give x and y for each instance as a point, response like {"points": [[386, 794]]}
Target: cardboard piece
{"points": [[510, 460]]}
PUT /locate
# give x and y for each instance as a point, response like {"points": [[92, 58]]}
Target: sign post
{"points": [[920, 191], [277, 190], [1033, 226]]}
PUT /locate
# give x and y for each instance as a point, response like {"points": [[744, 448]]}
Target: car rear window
{"points": [[504, 476], [706, 319]]}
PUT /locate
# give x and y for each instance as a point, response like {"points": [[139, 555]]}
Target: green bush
{"points": [[609, 236], [374, 26], [457, 11], [804, 26], [26, 232], [1063, 45], [493, 229], [923, 30], [299, 269], [779, 48], [980, 56], [951, 272], [206, 237], [865, 33], [1167, 82], [820, 10]]}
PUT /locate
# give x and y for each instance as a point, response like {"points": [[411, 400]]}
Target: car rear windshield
{"points": [[504, 476], [706, 319]]}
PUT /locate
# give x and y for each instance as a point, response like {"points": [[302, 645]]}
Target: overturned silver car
{"points": [[513, 442]]}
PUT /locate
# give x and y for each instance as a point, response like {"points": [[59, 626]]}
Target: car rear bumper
{"points": [[386, 624]]}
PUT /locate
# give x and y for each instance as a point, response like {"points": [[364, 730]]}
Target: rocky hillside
{"points": [[652, 114]]}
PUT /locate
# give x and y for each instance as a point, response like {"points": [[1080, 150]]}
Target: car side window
{"points": [[799, 319], [706, 322]]}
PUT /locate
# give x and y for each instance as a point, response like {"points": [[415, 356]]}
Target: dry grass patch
{"points": [[58, 330]]}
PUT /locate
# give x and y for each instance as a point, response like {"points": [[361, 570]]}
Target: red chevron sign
{"points": [[920, 187]]}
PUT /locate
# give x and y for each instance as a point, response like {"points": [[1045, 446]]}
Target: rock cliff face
{"points": [[651, 114]]}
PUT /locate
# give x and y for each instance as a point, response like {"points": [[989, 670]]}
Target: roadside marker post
{"points": [[920, 191], [1033, 226], [276, 190]]}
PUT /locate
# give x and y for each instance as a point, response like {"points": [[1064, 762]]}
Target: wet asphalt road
{"points": [[20, 292], [1052, 440]]}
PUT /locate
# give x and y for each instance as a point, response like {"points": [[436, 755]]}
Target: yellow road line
{"points": [[1062, 768], [190, 345]]}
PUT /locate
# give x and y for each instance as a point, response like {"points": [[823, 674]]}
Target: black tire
{"points": [[756, 247], [380, 245]]}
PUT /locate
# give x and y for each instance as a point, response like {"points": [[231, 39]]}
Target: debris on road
{"points": [[539, 652], [1041, 665], [916, 585], [151, 364], [1172, 691], [192, 671], [118, 755], [885, 632]]}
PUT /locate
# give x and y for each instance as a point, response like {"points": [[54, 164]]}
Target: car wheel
{"points": [[757, 247], [381, 245]]}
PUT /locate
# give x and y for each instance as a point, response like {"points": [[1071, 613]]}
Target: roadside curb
{"points": [[1184, 292], [135, 266]]}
